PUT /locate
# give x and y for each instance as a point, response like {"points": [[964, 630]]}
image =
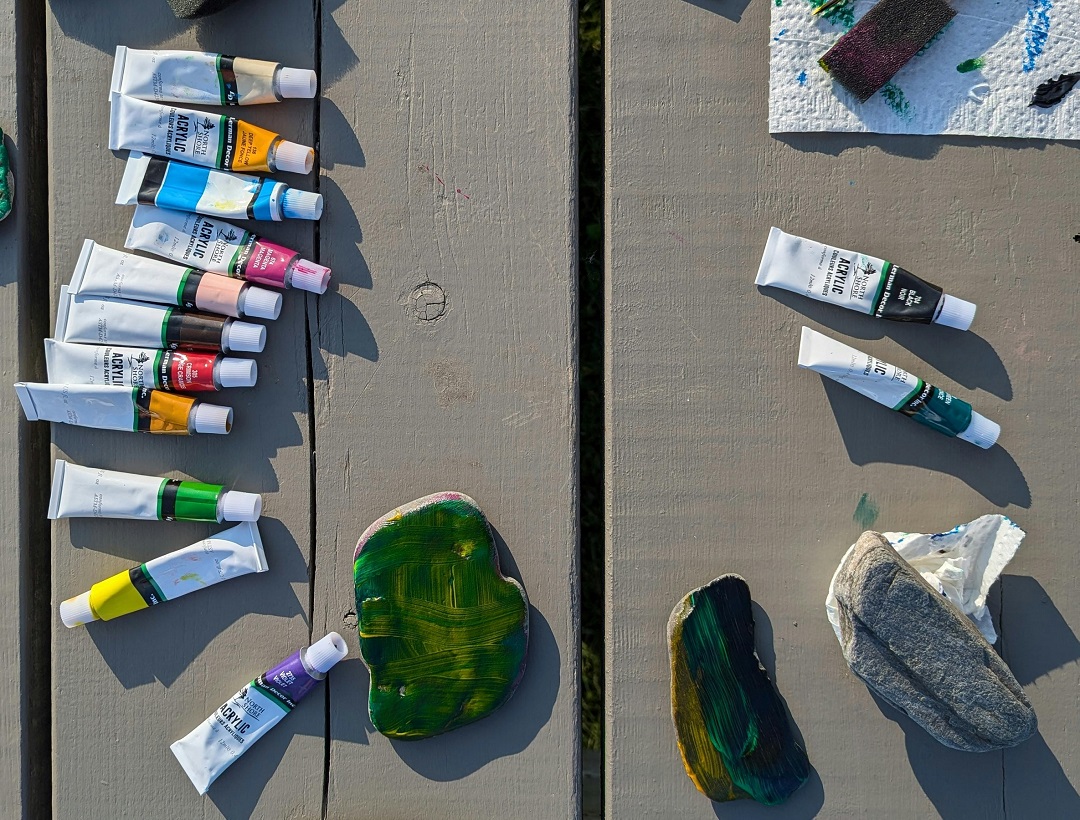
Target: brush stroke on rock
{"points": [[442, 631], [732, 727]]}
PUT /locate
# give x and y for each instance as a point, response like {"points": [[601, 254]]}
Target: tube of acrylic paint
{"points": [[90, 320], [172, 370], [889, 385], [102, 271], [212, 746], [87, 492], [179, 186], [139, 409], [229, 554], [218, 141], [221, 247], [207, 79], [857, 282]]}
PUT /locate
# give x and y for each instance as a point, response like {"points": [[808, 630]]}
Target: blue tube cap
{"points": [[301, 204]]}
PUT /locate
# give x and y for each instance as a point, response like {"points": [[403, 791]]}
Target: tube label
{"points": [[937, 409], [159, 412], [848, 279], [168, 75], [170, 370], [182, 187]]}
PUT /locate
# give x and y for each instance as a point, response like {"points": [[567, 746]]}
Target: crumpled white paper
{"points": [[1022, 42], [962, 564]]}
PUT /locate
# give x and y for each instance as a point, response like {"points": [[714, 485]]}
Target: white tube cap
{"points": [[297, 83], [294, 157], [307, 275], [301, 204], [76, 611], [246, 337], [238, 506], [260, 303], [981, 432], [954, 312], [212, 418], [325, 652], [237, 373]]}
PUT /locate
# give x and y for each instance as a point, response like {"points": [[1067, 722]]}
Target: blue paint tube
{"points": [[896, 388], [179, 186]]}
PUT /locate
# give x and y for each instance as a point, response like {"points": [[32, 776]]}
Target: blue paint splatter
{"points": [[780, 34], [802, 78], [1038, 29], [895, 99]]}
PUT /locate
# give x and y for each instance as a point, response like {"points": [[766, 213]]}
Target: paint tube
{"points": [[204, 78], [221, 247], [215, 140], [87, 492], [857, 282], [889, 385], [171, 370], [215, 744], [102, 271], [179, 186], [229, 554], [90, 320], [138, 409]]}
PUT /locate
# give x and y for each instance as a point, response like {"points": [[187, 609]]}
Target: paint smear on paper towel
{"points": [[1038, 29]]}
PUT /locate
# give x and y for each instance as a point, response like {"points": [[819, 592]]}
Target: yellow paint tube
{"points": [[229, 554]]}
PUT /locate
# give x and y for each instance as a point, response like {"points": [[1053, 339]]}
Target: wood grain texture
{"points": [[16, 723], [445, 359], [723, 456], [125, 689]]}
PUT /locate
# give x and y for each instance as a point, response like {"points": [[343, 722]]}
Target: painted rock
{"points": [[732, 727], [925, 657], [7, 180], [442, 630], [190, 9]]}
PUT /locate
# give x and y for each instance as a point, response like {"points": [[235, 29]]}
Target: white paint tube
{"points": [[87, 492], [206, 78], [166, 130], [221, 247], [172, 370], [179, 186], [896, 388], [122, 408], [89, 320], [857, 282], [212, 746], [102, 271], [229, 554]]}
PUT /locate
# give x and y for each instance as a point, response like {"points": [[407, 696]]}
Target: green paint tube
{"points": [[86, 492]]}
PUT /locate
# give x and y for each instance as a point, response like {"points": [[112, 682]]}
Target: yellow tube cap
{"points": [[77, 611]]}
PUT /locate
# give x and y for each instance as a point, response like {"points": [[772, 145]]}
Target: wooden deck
{"points": [[724, 457], [446, 155]]}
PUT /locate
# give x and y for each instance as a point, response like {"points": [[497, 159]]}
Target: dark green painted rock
{"points": [[7, 180], [190, 9], [732, 727], [442, 631]]}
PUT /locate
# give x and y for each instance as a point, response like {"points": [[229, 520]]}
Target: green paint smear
{"points": [[842, 14], [971, 65], [866, 512], [895, 99], [442, 631], [732, 726], [7, 179]]}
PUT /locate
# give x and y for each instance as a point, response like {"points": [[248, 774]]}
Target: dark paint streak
{"points": [[1051, 92]]}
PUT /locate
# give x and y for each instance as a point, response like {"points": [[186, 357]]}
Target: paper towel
{"points": [[1021, 42]]}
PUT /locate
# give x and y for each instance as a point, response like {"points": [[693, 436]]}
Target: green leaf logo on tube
{"points": [[857, 282], [236, 551], [87, 492], [896, 388]]}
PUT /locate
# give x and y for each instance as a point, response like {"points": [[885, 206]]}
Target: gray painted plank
{"points": [[724, 457], [449, 161], [124, 690]]}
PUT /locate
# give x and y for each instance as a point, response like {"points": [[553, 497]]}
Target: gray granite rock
{"points": [[920, 653]]}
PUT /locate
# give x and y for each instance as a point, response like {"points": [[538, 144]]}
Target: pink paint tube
{"points": [[220, 247]]}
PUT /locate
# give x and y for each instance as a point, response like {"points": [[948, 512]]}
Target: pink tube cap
{"points": [[307, 275]]}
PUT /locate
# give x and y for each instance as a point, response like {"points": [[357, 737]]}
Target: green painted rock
{"points": [[442, 631], [732, 727], [7, 180]]}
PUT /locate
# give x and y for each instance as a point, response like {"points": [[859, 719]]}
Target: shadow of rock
{"points": [[731, 9], [912, 146], [1038, 639], [874, 434]]}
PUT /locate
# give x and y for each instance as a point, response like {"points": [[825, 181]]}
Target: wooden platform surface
{"points": [[724, 457], [446, 156]]}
